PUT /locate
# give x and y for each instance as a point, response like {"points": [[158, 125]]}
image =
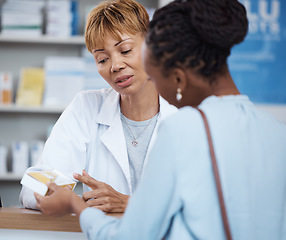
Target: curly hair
{"points": [[196, 33]]}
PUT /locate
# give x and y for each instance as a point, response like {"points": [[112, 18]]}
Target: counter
{"points": [[20, 223]]}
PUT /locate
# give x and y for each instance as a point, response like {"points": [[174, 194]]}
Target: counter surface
{"points": [[26, 219]]}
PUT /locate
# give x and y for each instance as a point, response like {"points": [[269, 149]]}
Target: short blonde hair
{"points": [[114, 17]]}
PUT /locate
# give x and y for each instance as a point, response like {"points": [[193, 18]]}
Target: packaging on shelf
{"points": [[36, 149], [62, 18], [62, 73], [6, 88], [3, 159], [22, 17], [20, 157], [31, 87], [37, 181]]}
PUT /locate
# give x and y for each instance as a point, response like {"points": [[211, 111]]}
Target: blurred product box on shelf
{"points": [[31, 87], [22, 17], [64, 78], [73, 74], [6, 88], [20, 157], [62, 18], [3, 159], [58, 18], [36, 149]]}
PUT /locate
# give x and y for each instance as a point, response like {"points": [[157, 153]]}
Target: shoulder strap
{"points": [[217, 178]]}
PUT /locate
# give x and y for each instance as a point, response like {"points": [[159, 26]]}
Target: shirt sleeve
{"points": [[151, 208], [65, 149]]}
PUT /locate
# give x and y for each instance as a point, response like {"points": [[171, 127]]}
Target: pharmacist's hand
{"points": [[102, 196], [57, 203]]}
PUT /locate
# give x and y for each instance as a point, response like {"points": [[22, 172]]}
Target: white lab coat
{"points": [[89, 135]]}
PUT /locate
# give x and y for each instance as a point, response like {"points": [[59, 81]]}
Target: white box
{"points": [[36, 149], [20, 157], [37, 181], [3, 160]]}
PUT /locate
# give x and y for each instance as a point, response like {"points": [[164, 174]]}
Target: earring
{"points": [[179, 95]]}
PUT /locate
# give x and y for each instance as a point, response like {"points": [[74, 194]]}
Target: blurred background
{"points": [[44, 63]]}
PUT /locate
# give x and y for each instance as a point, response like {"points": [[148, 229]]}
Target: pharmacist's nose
{"points": [[117, 65]]}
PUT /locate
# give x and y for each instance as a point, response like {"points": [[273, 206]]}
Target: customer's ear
{"points": [[179, 79]]}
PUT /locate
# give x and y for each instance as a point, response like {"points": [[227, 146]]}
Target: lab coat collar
{"points": [[112, 104], [165, 108], [109, 108]]}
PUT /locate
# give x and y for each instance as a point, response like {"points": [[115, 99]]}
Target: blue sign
{"points": [[258, 65]]}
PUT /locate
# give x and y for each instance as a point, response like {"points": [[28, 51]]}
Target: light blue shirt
{"points": [[177, 190]]}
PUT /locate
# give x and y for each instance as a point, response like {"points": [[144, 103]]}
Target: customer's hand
{"points": [[60, 201], [102, 196]]}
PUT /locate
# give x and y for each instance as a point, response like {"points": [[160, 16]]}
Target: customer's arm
{"points": [[149, 211]]}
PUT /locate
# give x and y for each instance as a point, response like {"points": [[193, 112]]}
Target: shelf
{"points": [[20, 109], [10, 177], [76, 40]]}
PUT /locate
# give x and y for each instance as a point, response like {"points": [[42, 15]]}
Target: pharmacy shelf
{"points": [[10, 177], [37, 109], [76, 40]]}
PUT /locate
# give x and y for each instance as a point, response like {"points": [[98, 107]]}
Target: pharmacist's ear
{"points": [[179, 78]]}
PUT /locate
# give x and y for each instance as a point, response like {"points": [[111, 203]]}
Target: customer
{"points": [[186, 56], [108, 132]]}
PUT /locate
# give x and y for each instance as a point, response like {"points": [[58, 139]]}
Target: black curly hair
{"points": [[196, 33]]}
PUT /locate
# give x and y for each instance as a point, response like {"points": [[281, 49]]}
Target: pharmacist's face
{"points": [[119, 63]]}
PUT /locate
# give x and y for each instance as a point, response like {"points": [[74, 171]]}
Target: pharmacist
{"points": [[108, 133]]}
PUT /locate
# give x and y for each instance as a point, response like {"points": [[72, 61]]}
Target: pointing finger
{"points": [[84, 173], [87, 180]]}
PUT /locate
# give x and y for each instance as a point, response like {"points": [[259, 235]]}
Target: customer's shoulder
{"points": [[186, 119], [183, 115]]}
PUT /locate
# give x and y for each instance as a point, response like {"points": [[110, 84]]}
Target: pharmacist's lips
{"points": [[122, 78]]}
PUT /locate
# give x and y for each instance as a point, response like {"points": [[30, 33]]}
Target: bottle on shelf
{"points": [[6, 88]]}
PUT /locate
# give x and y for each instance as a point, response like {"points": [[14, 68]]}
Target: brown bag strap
{"points": [[217, 179]]}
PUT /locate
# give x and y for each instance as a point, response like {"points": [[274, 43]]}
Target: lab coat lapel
{"points": [[114, 138]]}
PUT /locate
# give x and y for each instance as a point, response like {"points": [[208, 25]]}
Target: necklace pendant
{"points": [[134, 143]]}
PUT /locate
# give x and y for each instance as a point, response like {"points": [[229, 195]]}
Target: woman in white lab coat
{"points": [[108, 133]]}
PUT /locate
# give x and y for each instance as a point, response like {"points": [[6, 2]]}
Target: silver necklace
{"points": [[134, 141]]}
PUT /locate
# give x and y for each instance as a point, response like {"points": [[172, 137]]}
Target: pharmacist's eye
{"points": [[103, 60], [125, 52]]}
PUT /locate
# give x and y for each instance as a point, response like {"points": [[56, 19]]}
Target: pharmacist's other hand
{"points": [[102, 196], [57, 203]]}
